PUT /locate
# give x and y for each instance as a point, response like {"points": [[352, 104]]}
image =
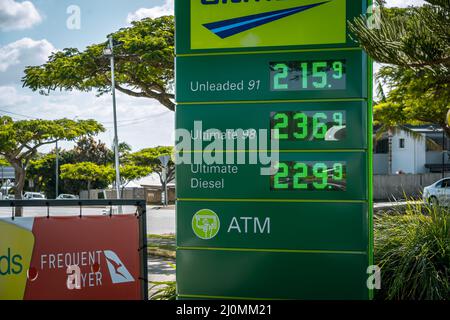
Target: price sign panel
{"points": [[295, 126], [305, 175], [275, 76], [273, 141]]}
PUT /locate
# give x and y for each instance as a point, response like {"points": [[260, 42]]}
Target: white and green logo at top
{"points": [[252, 23], [206, 224]]}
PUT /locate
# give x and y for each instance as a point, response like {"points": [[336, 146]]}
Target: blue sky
{"points": [[31, 30]]}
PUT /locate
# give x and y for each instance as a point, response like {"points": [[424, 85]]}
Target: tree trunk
{"points": [[19, 184], [89, 189]]}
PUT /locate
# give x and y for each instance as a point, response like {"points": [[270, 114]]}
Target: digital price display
{"points": [[309, 176], [308, 75], [309, 125]]}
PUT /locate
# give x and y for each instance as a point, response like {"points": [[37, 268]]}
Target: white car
{"points": [[33, 196], [67, 197], [438, 193]]}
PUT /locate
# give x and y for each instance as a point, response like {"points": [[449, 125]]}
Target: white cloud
{"points": [[142, 122], [154, 12], [18, 15], [15, 56], [404, 3], [10, 97]]}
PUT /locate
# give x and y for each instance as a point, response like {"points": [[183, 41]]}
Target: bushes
{"points": [[164, 290], [413, 251]]}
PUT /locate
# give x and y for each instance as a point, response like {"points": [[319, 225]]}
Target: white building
{"points": [[411, 155]]}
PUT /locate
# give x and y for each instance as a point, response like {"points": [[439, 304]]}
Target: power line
{"points": [[16, 114]]}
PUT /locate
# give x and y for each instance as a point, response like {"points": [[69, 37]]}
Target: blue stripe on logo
{"points": [[227, 28]]}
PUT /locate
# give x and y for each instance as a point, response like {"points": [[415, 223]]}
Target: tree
{"points": [[387, 120], [149, 158], [88, 172], [144, 64], [88, 149], [415, 45], [3, 162], [20, 141], [41, 171], [129, 172]]}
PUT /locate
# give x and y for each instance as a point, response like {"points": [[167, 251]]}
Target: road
{"points": [[159, 221]]}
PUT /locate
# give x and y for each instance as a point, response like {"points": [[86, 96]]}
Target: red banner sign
{"points": [[71, 258]]}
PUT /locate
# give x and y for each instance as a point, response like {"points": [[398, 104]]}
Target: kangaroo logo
{"points": [[205, 224], [117, 270]]}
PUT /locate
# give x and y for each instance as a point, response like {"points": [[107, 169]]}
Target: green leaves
{"points": [[31, 134], [132, 172], [415, 45], [413, 251], [144, 63], [413, 38], [20, 140], [87, 171]]}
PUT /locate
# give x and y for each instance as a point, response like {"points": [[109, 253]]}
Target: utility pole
{"points": [[57, 171], [110, 52], [444, 152], [165, 168]]}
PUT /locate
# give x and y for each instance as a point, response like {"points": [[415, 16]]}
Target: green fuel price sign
{"points": [[295, 126], [295, 175], [272, 76], [273, 145]]}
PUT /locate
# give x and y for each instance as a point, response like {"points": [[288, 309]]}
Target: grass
{"points": [[161, 245], [161, 237], [412, 247], [164, 290]]}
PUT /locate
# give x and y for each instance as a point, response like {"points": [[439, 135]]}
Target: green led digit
{"points": [[283, 124], [320, 171], [338, 171], [283, 172], [304, 67], [280, 76], [319, 128], [302, 172], [338, 118], [302, 125], [339, 69], [320, 74]]}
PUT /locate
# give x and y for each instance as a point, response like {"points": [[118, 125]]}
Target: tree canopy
{"points": [[144, 63], [149, 158], [20, 140], [87, 171], [414, 45]]}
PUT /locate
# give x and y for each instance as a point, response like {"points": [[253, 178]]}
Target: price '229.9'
{"points": [[310, 176]]}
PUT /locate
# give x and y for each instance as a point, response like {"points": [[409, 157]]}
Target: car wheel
{"points": [[433, 201]]}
